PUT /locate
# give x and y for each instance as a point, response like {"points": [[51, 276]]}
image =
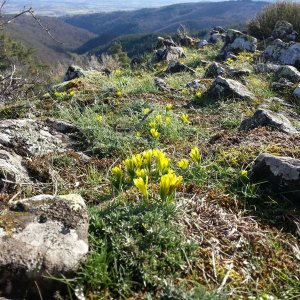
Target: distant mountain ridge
{"points": [[167, 19]]}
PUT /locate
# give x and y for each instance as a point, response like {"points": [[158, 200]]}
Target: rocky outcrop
{"points": [[284, 30], [165, 42], [217, 34], [214, 70], [288, 72], [283, 53], [236, 41], [26, 138], [296, 93], [168, 54], [202, 44], [177, 67], [282, 85], [266, 68], [41, 237], [196, 85], [229, 89], [74, 72], [279, 174], [264, 117]]}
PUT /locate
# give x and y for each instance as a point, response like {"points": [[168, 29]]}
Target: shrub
{"points": [[263, 24]]}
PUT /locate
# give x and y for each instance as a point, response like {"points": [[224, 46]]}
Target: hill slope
{"points": [[195, 16], [49, 51]]}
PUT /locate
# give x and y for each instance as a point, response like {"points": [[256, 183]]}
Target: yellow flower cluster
{"points": [[63, 94], [140, 169], [195, 156]]}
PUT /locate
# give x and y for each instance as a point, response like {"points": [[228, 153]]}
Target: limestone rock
{"points": [[264, 117], [266, 68], [227, 88], [282, 85], [41, 236], [177, 67], [288, 72], [214, 70], [74, 72], [195, 85], [217, 34], [296, 92], [34, 137], [283, 53], [236, 41], [12, 172], [202, 44], [280, 174], [168, 54], [284, 30]]}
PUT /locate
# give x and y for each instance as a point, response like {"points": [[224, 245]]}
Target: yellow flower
{"points": [[138, 134], [230, 60], [162, 161], [183, 164], [147, 158], [158, 118], [152, 124], [129, 164], [146, 110], [185, 118], [168, 120], [57, 94], [99, 119], [155, 134], [142, 185], [72, 93], [141, 173], [168, 184], [137, 160], [169, 107], [244, 173], [117, 171], [184, 91], [199, 69], [195, 155], [198, 94], [118, 72], [119, 93]]}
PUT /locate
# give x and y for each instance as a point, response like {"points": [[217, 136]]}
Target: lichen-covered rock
{"points": [[236, 41], [168, 54], [280, 174], [288, 72], [283, 85], [265, 117], [229, 89], [12, 171], [34, 137], [74, 72], [296, 92], [283, 53], [177, 67], [217, 34], [214, 70], [41, 236], [284, 30], [196, 85], [266, 68], [161, 84], [202, 44], [165, 42]]}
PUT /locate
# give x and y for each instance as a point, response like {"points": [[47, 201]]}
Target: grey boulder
{"points": [[40, 237], [288, 72], [280, 174], [214, 70], [229, 89], [168, 54], [74, 72], [265, 117], [236, 41], [284, 30], [283, 53]]}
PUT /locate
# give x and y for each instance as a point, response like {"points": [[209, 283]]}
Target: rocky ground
{"points": [[177, 178]]}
